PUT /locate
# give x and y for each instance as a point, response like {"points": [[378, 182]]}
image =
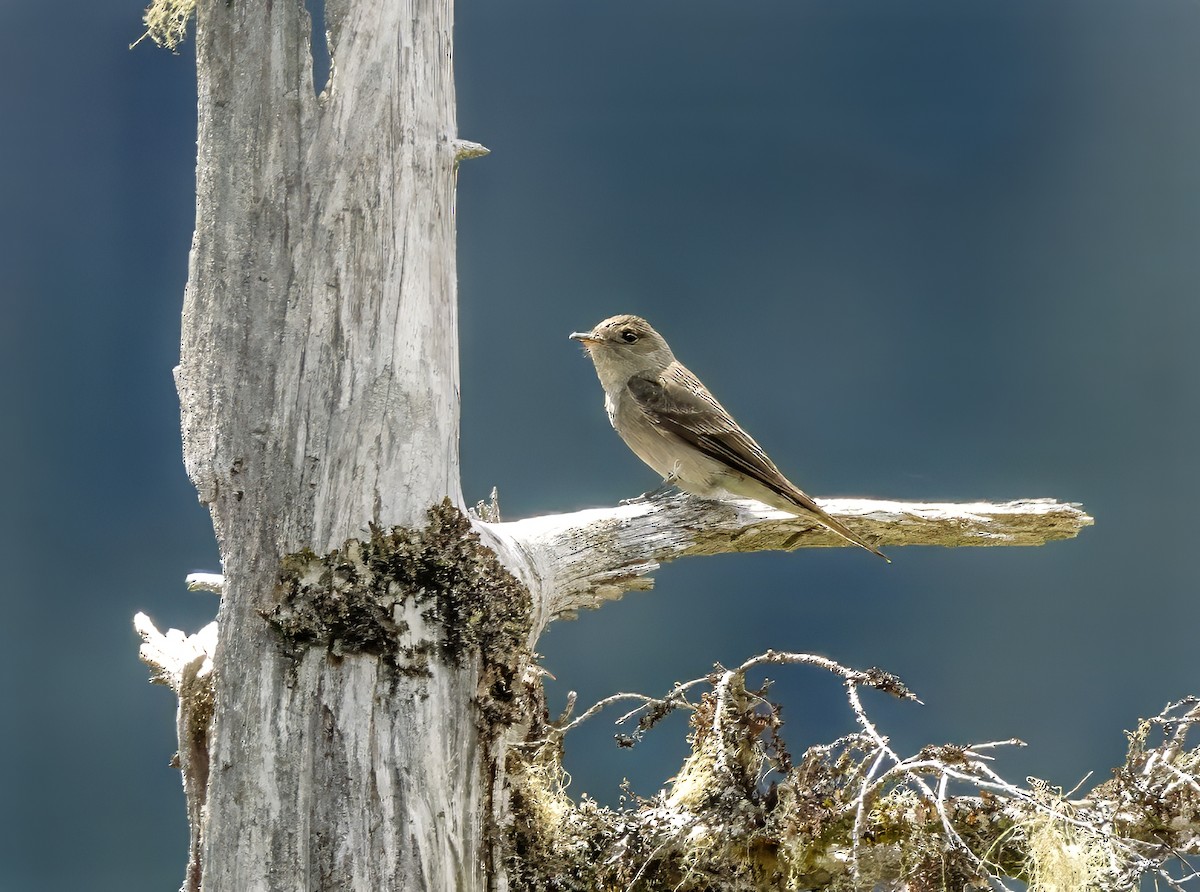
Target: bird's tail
{"points": [[846, 533], [800, 499]]}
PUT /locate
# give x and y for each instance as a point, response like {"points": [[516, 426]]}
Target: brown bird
{"points": [[673, 424]]}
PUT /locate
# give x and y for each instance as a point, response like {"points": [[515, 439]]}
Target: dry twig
{"points": [[855, 814]]}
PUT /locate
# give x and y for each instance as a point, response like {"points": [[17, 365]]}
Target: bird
{"points": [[672, 423]]}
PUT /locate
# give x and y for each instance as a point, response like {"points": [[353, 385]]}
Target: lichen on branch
{"points": [[743, 814]]}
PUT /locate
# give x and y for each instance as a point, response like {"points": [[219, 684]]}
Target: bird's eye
{"points": [[629, 336]]}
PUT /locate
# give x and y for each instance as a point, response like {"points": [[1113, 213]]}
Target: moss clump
{"points": [[410, 596], [552, 844]]}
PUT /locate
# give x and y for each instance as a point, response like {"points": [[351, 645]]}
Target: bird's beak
{"points": [[585, 337]]}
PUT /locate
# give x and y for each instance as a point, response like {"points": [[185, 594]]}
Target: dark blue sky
{"points": [[964, 239]]}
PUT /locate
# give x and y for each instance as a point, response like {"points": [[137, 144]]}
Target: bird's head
{"points": [[622, 346]]}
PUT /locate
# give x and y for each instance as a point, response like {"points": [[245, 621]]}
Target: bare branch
{"points": [[581, 559], [587, 557]]}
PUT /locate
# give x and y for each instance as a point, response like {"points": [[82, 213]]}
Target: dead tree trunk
{"points": [[318, 379]]}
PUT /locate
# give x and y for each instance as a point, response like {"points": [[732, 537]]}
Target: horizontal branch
{"points": [[581, 559], [584, 558]]}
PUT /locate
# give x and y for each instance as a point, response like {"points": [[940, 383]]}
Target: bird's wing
{"points": [[675, 401]]}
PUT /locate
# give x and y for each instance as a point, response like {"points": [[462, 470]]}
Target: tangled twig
{"points": [[852, 814]]}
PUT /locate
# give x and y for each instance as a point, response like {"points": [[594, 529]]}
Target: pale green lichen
{"points": [[1061, 857], [166, 22]]}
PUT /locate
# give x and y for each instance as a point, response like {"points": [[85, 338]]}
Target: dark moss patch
{"points": [[410, 596]]}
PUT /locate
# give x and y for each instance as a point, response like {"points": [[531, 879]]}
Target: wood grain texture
{"points": [[318, 383]]}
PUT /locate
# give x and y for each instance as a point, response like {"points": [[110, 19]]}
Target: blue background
{"points": [[963, 238]]}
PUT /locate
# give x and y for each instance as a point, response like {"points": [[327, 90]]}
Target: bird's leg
{"points": [[661, 490]]}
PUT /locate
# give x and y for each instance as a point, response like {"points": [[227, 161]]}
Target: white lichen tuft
{"points": [[1061, 857], [166, 22], [696, 781], [545, 790]]}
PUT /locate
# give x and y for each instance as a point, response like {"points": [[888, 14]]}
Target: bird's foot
{"points": [[665, 487]]}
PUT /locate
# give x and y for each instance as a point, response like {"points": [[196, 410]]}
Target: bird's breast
{"points": [[666, 453]]}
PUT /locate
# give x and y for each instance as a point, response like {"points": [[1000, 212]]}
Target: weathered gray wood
{"points": [[318, 381], [320, 303], [582, 559]]}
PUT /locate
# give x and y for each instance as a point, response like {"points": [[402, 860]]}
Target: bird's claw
{"points": [[668, 482]]}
